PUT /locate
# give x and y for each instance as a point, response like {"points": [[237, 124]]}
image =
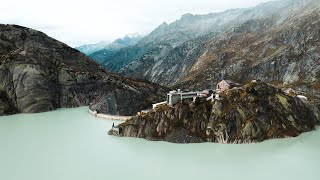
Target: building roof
{"points": [[185, 93], [230, 82]]}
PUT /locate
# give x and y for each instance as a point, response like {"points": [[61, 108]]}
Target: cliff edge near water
{"points": [[39, 74], [253, 113]]}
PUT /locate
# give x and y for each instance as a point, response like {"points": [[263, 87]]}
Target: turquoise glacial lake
{"points": [[70, 144]]}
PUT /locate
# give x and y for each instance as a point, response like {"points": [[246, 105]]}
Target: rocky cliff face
{"points": [[40, 74], [253, 113]]}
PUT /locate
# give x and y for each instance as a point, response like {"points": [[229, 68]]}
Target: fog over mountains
{"points": [[277, 42]]}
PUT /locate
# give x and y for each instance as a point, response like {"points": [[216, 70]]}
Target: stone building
{"points": [[173, 97], [226, 84]]}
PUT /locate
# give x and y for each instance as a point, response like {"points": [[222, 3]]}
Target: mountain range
{"points": [[276, 41], [99, 49]]}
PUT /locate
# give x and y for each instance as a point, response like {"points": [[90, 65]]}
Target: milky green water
{"points": [[70, 144]]}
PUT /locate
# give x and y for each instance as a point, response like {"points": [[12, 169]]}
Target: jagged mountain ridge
{"points": [[116, 45], [173, 34], [187, 28], [40, 74], [104, 46], [280, 40]]}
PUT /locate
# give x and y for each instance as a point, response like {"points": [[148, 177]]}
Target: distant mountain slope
{"points": [[115, 46], [187, 28], [91, 48], [114, 60], [128, 40], [40, 74], [99, 49]]}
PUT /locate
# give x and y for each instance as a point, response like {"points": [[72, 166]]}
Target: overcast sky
{"points": [[77, 22]]}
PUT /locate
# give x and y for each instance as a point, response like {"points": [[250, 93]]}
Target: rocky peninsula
{"points": [[252, 113]]}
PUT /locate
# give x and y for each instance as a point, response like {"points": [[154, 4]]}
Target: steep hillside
{"points": [[284, 54], [173, 34], [40, 74], [166, 64], [115, 59], [189, 27], [277, 42]]}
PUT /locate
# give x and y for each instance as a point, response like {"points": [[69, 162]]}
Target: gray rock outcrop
{"points": [[41, 74]]}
